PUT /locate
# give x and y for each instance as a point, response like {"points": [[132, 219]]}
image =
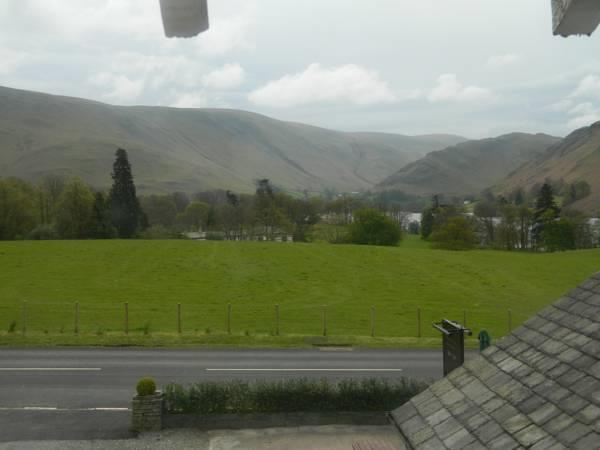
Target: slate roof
{"points": [[538, 387]]}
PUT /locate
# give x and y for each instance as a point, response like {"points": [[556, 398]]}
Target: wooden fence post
{"points": [[324, 320], [126, 318], [229, 318], [418, 322], [179, 318], [276, 320], [24, 317], [76, 317], [372, 321]]}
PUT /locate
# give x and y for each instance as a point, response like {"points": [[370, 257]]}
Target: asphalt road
{"points": [[86, 393]]}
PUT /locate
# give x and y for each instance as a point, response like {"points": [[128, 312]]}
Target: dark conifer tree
{"points": [[546, 211], [126, 213]]}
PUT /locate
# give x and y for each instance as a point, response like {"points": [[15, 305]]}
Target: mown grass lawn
{"points": [[153, 276]]}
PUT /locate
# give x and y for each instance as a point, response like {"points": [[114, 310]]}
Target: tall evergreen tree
{"points": [[546, 211], [126, 213]]}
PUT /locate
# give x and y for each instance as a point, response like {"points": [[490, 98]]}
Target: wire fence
{"points": [[252, 319]]}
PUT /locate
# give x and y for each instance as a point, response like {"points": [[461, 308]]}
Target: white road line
{"points": [[53, 408], [50, 369], [300, 370]]}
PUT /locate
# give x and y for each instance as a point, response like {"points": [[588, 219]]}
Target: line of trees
{"points": [[61, 208], [71, 209], [510, 224]]}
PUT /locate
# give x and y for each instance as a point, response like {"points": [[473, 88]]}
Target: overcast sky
{"points": [[471, 67]]}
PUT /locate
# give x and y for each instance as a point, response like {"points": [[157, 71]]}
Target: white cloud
{"points": [[502, 60], [450, 89], [121, 88], [10, 61], [583, 114], [227, 34], [561, 105], [344, 84], [230, 76], [197, 99], [589, 87]]}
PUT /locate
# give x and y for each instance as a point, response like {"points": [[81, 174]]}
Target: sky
{"points": [[469, 67]]}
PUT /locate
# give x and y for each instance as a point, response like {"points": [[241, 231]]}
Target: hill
{"points": [[575, 158], [468, 167], [192, 149]]}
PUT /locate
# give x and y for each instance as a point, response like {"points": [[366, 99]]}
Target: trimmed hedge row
{"points": [[293, 395]]}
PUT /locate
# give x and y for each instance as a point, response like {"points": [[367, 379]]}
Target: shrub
{"points": [[12, 326], [43, 233], [456, 234], [370, 227], [214, 236], [293, 395], [145, 386], [158, 232]]}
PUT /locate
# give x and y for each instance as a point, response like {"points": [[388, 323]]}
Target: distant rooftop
{"points": [[537, 388]]}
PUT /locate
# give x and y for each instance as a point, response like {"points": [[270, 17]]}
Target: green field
{"points": [[153, 276]]}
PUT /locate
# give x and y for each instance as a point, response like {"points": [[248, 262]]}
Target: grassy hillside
{"points": [[153, 276], [575, 158], [189, 150], [469, 167]]}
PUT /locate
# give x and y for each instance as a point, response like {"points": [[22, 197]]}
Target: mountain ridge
{"points": [[468, 167], [574, 158], [193, 149]]}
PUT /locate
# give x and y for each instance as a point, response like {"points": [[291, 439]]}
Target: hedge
{"points": [[293, 395]]}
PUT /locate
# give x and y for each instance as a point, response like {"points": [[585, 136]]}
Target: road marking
{"points": [[50, 369], [54, 408], [336, 349], [301, 370]]}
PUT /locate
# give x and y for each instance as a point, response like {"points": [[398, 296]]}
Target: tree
{"points": [[546, 211], [17, 212], [126, 213], [486, 211], [455, 234], [159, 209], [49, 190], [427, 221], [519, 197], [508, 236], [181, 200], [195, 215], [559, 235], [75, 211], [576, 191], [524, 217], [267, 212], [102, 227], [370, 227]]}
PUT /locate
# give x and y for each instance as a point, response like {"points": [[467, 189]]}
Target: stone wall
{"points": [[147, 412]]}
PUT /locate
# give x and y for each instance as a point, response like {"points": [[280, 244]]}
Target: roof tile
{"points": [[588, 442], [537, 388], [530, 435]]}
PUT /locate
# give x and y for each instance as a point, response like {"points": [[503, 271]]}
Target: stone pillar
{"points": [[146, 412]]}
